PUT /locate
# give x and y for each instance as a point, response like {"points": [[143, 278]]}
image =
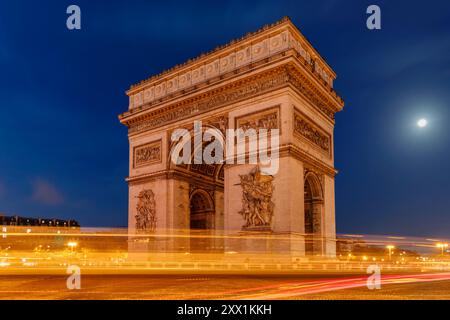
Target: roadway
{"points": [[329, 286]]}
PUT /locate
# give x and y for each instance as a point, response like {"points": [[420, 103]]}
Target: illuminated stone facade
{"points": [[272, 79]]}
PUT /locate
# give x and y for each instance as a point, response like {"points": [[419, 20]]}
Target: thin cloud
{"points": [[46, 193]]}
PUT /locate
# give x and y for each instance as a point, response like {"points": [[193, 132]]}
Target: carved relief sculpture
{"points": [[257, 205], [309, 131], [146, 212], [147, 154], [261, 120]]}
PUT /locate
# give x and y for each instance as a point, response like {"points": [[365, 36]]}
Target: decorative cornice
{"points": [[291, 150], [253, 48], [211, 100], [286, 150], [232, 92], [307, 129], [309, 160], [328, 104], [206, 84], [187, 176], [215, 50]]}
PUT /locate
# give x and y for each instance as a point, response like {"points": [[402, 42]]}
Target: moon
{"points": [[422, 123]]}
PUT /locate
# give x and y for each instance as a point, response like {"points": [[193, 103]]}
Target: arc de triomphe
{"points": [[272, 79]]}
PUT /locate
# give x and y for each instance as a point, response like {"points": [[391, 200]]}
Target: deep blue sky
{"points": [[64, 153]]}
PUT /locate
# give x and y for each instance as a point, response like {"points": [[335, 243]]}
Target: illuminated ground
{"points": [[412, 291], [35, 263], [212, 287]]}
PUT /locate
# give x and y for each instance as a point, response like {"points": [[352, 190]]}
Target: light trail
{"points": [[99, 288], [39, 250], [307, 288]]}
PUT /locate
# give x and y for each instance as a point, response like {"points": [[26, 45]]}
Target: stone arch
{"points": [[313, 214], [201, 220], [315, 184], [214, 173], [201, 210], [204, 143]]}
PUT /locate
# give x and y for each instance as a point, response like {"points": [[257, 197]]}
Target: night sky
{"points": [[65, 154]]}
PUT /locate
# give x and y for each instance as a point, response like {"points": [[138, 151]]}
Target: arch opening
{"points": [[201, 211], [201, 221], [313, 206]]}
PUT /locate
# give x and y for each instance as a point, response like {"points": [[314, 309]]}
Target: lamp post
{"points": [[390, 248], [72, 245], [442, 246]]}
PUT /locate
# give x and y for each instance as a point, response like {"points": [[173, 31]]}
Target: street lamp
{"points": [[72, 245], [442, 246], [390, 248]]}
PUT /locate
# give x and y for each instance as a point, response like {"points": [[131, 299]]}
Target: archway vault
{"points": [[313, 213], [212, 172], [315, 184]]}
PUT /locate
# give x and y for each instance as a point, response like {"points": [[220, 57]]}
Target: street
{"points": [[421, 286]]}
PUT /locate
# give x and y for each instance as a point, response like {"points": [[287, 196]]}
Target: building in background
{"points": [[37, 222]]}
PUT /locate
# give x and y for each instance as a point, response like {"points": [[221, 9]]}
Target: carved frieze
{"points": [[257, 205], [306, 129], [221, 65], [149, 153], [234, 92], [146, 212], [301, 83], [243, 89], [267, 119]]}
